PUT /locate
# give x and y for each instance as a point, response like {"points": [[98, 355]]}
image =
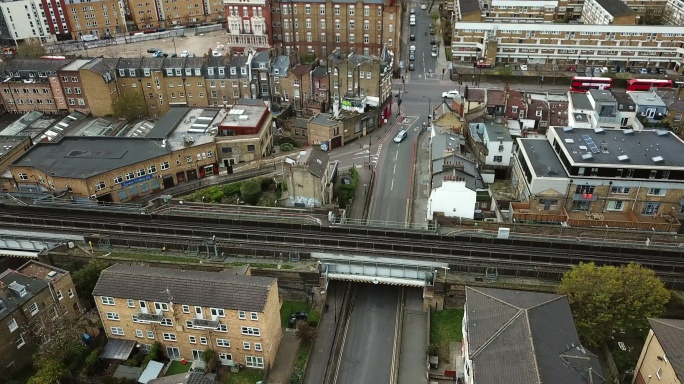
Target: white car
{"points": [[451, 94], [423, 7], [434, 54], [523, 67], [605, 70], [412, 48], [184, 54], [413, 11]]}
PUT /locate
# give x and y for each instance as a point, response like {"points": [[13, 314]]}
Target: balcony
{"points": [[149, 317], [205, 323]]}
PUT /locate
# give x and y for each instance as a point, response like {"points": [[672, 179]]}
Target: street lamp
{"points": [[429, 108]]}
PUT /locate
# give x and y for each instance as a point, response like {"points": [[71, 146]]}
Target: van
{"points": [[88, 38], [401, 135]]}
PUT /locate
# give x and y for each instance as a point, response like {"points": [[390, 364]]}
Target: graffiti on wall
{"points": [[302, 201]]}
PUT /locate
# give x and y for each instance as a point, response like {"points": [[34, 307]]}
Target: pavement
{"points": [[366, 357], [321, 351], [285, 358], [414, 340], [421, 182], [362, 191]]}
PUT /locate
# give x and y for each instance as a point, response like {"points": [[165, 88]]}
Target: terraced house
{"points": [[33, 85], [235, 314]]}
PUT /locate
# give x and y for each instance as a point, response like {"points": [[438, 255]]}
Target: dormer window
{"points": [[243, 70], [210, 71], [188, 71], [131, 72], [262, 65], [222, 71], [122, 72], [178, 71], [233, 71], [169, 72], [198, 71], [146, 72]]}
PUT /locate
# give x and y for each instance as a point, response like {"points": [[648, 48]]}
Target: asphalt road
{"points": [[424, 61], [367, 354]]}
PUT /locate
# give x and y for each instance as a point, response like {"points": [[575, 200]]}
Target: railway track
{"points": [[267, 238]]}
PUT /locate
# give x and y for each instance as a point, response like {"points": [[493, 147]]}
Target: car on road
{"points": [[451, 94], [153, 50], [179, 27], [412, 56], [423, 7], [432, 31], [401, 135], [412, 67], [413, 11], [433, 41], [216, 53], [412, 37], [433, 53], [643, 71], [412, 48], [159, 54], [412, 22], [660, 71]]}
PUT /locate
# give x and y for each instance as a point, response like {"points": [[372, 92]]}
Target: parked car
{"points": [[433, 53], [423, 6], [643, 71], [412, 37], [412, 56], [451, 94], [433, 41], [432, 31], [413, 11], [660, 71], [412, 67], [184, 54], [153, 50]]}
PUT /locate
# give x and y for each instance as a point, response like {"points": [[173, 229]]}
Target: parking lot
{"points": [[197, 44]]}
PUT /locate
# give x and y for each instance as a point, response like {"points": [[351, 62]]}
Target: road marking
{"points": [[395, 156], [395, 169], [392, 186]]}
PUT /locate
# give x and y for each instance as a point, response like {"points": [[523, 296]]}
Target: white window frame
{"points": [[169, 336], [250, 331], [131, 303], [254, 316], [118, 331], [107, 300], [113, 316], [33, 309], [139, 333], [217, 312], [161, 306], [204, 340], [246, 345], [186, 308], [12, 325], [60, 296], [150, 334], [192, 339], [242, 315], [225, 343]]}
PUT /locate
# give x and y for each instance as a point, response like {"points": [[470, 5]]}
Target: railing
{"points": [[204, 323], [607, 119], [151, 317]]}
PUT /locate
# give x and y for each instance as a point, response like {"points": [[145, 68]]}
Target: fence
{"points": [[79, 46], [208, 28]]}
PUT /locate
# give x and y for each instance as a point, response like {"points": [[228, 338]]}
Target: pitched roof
{"points": [[320, 72], [300, 70], [670, 334], [468, 6], [11, 301], [318, 162], [615, 7], [98, 66], [184, 378], [529, 333], [208, 289]]}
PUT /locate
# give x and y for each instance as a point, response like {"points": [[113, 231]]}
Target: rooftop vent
{"points": [[52, 274], [623, 158], [569, 141], [567, 129], [583, 147], [662, 132], [657, 159], [587, 156], [243, 117], [599, 130], [629, 131]]}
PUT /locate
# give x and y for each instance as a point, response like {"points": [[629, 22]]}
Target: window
{"points": [[107, 300], [19, 342], [217, 312], [657, 192], [113, 316], [254, 361], [139, 333], [23, 176], [251, 148], [118, 180], [192, 339], [222, 328], [223, 343], [203, 340], [70, 293], [615, 205], [165, 165], [254, 316], [186, 309], [140, 172], [351, 10], [13, 326], [246, 346], [100, 186], [250, 331], [166, 322], [307, 9], [650, 208], [620, 190], [150, 334], [498, 159], [59, 295], [257, 346], [152, 169], [33, 309], [130, 176], [169, 336], [117, 331], [161, 306]]}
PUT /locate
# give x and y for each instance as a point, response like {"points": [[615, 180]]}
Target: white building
{"points": [[604, 11], [674, 12], [24, 20]]}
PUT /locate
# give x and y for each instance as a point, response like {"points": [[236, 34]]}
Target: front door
{"points": [[198, 313], [173, 352], [226, 358], [143, 306], [196, 354]]}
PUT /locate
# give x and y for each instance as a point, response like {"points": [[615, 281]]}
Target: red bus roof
{"points": [[649, 81], [580, 78]]}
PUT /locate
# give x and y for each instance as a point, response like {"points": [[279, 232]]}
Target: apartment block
{"points": [[184, 82], [56, 18], [231, 312], [24, 21], [33, 85], [659, 358], [249, 24], [674, 13], [144, 77], [605, 12], [227, 79], [36, 291], [96, 17], [98, 79], [599, 177], [245, 134], [74, 92], [320, 27]]}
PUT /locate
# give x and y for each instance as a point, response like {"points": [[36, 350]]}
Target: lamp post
{"points": [[429, 108]]}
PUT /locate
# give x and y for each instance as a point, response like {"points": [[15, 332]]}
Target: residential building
{"points": [[588, 177], [249, 24], [260, 81], [660, 360], [557, 43], [457, 189], [360, 81], [227, 79], [153, 15], [604, 12], [74, 92], [25, 301], [279, 70], [191, 311], [516, 107], [309, 179], [98, 79], [33, 85], [176, 150], [12, 147], [245, 134], [492, 145], [363, 27], [145, 77], [649, 106], [605, 106], [496, 103], [320, 87], [580, 111], [495, 323], [674, 13], [24, 21], [626, 108], [56, 19], [184, 81], [675, 108], [544, 109], [304, 92], [96, 17], [330, 131]]}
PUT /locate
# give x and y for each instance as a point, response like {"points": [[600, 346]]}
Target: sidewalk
{"points": [[320, 352], [421, 180], [362, 191], [413, 358], [285, 358]]}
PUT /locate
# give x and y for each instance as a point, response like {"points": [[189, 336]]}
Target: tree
{"points": [[61, 339], [130, 105], [30, 51], [48, 373], [250, 190], [86, 278], [306, 333], [608, 299]]}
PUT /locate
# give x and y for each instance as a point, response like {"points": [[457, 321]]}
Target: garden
{"points": [[263, 192], [445, 327], [346, 188]]}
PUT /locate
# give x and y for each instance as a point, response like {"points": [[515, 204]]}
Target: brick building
{"points": [[26, 296], [320, 27], [184, 82], [98, 79], [96, 17], [57, 18], [144, 77], [74, 92], [235, 314], [245, 134], [249, 24], [227, 79], [33, 84]]}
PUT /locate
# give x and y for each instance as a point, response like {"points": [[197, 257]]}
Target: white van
{"points": [[89, 38], [401, 135]]}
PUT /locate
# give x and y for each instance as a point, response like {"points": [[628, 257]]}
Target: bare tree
{"points": [[58, 338]]}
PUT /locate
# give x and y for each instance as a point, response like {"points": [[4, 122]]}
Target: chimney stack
{"points": [[5, 290]]}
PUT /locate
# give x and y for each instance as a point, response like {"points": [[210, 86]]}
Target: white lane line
{"points": [[395, 169], [392, 186], [396, 155]]}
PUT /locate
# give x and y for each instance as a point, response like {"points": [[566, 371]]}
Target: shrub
{"points": [[314, 318], [90, 362], [250, 191], [154, 354], [432, 350], [297, 376], [267, 199], [286, 147], [306, 333], [286, 140]]}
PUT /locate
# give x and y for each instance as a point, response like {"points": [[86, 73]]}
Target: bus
{"points": [[583, 84], [647, 84]]}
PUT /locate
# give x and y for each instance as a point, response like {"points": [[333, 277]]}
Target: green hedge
{"points": [[346, 192]]}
